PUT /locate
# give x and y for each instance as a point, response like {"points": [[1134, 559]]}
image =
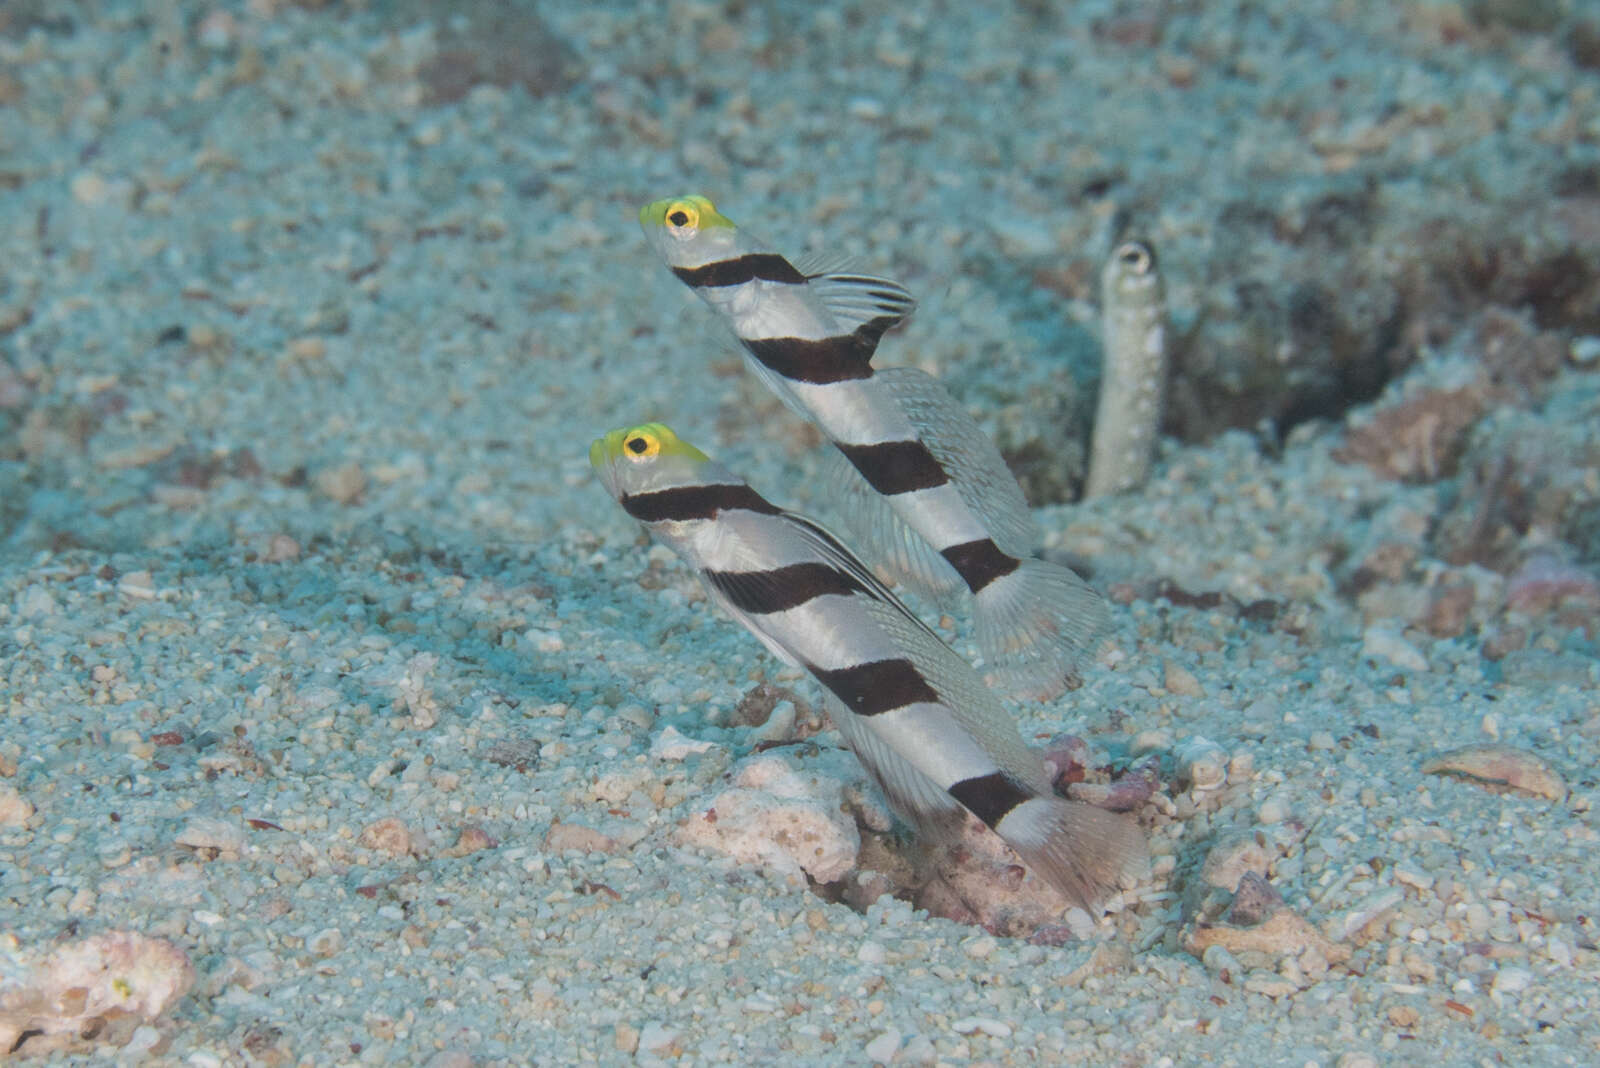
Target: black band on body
{"points": [[979, 562], [767, 266], [990, 797], [818, 362], [896, 466], [694, 502], [781, 588], [877, 686]]}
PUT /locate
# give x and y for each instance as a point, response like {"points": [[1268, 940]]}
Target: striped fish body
{"points": [[915, 713], [929, 494], [792, 337]]}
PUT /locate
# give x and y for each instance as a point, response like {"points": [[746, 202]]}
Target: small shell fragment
{"points": [[1202, 763], [213, 836], [1254, 901], [1366, 921], [1500, 765], [1126, 794], [1231, 859], [1281, 932], [1066, 759]]}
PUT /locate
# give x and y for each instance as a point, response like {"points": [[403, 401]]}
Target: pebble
{"points": [[450, 1058], [1179, 680], [987, 1025], [1503, 765], [1385, 643], [381, 771], [144, 1041], [779, 813], [1411, 877], [866, 108], [326, 943], [1546, 669], [1201, 763], [779, 726], [763, 1002], [980, 948], [1150, 740], [563, 836], [389, 836], [1217, 960], [36, 602], [655, 1037], [1231, 858], [1355, 1060], [114, 854], [472, 839], [1362, 922], [1269, 984], [137, 584], [343, 484], [1079, 922], [203, 832], [15, 810], [89, 188], [1511, 981], [1254, 901], [1274, 809], [673, 744], [881, 1050]]}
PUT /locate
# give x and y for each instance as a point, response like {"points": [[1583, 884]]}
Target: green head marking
{"points": [[638, 444], [682, 215]]}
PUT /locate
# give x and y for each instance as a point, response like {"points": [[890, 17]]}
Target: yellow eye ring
{"points": [[641, 445], [682, 215]]}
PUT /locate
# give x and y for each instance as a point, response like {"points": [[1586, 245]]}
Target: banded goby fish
{"points": [[934, 503], [915, 713]]}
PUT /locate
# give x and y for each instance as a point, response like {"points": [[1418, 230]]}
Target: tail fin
{"points": [[1037, 626], [1082, 851]]}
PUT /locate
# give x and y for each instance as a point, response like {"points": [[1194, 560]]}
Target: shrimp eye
{"points": [[1136, 257], [683, 216], [642, 446]]}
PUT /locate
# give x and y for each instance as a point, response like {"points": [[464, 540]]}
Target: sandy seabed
{"points": [[344, 718]]}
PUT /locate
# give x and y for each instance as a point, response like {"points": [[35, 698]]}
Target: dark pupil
{"points": [[636, 445], [678, 218]]}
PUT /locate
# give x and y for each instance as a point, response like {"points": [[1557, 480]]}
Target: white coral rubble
{"points": [[93, 992]]}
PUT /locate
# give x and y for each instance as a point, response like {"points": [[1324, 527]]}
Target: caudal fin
{"points": [[1037, 626], [1082, 851]]}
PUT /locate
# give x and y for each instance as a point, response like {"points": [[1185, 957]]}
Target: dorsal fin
{"points": [[855, 297], [826, 545], [967, 455]]}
